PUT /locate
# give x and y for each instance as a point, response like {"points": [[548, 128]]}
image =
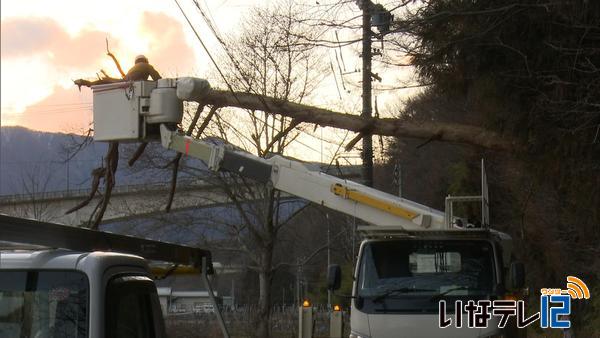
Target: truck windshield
{"points": [[414, 274], [43, 304]]}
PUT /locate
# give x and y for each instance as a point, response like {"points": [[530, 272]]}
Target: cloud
{"points": [[65, 110], [26, 36], [41, 48], [167, 49], [23, 36]]}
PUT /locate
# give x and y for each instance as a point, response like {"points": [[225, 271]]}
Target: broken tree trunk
{"points": [[427, 130]]}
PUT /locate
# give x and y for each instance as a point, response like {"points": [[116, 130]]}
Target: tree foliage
{"points": [[538, 63], [528, 70]]}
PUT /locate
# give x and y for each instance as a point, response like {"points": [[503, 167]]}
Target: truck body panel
{"points": [[412, 326]]}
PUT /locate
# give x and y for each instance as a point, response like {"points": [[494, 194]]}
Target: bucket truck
{"points": [[411, 256]]}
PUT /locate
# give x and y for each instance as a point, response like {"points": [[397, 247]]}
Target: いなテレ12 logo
{"points": [[555, 304]]}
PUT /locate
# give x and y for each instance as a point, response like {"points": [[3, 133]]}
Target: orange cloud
{"points": [[26, 36], [168, 50], [65, 110]]}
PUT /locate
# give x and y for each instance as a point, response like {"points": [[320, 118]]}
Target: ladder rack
{"points": [[53, 235]]}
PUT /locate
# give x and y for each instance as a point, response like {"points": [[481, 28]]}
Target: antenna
{"points": [[485, 197]]}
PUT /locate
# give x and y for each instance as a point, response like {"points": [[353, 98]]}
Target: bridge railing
{"points": [[183, 183], [119, 189]]}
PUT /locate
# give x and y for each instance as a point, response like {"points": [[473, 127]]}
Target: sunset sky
{"points": [[46, 44]]}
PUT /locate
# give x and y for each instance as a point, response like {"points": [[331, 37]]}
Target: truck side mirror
{"points": [[334, 277], [516, 275]]}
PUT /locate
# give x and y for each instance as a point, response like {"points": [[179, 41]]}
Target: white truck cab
{"points": [[67, 282], [400, 280], [63, 293]]}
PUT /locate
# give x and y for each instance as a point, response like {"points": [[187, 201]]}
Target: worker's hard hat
{"points": [[141, 58]]}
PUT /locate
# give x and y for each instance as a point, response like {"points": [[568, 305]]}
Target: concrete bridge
{"points": [[125, 201]]}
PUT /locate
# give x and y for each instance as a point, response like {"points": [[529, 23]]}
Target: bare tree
{"points": [[264, 59], [34, 182]]}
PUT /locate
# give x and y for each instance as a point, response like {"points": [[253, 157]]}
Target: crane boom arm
{"points": [[293, 177]]}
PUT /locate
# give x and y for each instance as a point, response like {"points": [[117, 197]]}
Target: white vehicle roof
{"points": [[61, 259]]}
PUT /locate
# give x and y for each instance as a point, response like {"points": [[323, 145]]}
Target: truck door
{"points": [[133, 309]]}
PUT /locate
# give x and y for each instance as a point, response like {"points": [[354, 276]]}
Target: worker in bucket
{"points": [[141, 70]]}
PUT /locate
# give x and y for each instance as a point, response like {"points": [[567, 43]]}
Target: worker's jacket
{"points": [[140, 71]]}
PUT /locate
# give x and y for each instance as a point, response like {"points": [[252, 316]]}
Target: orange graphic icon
{"points": [[577, 288]]}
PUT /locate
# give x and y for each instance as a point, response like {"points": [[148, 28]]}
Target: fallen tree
{"points": [[426, 130]]}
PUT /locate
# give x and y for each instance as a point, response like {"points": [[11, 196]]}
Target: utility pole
{"points": [[68, 165], [399, 180], [328, 260], [232, 293], [398, 177], [298, 292], [367, 141]]}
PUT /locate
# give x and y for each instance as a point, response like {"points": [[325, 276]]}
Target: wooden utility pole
{"points": [[367, 141]]}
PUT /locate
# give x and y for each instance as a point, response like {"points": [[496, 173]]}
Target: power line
{"points": [[222, 42], [215, 32], [49, 112], [296, 140], [58, 108], [262, 121], [335, 78], [233, 60], [55, 104], [206, 49], [47, 162]]}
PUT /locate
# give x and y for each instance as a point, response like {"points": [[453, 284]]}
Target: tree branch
{"points": [[309, 258], [96, 175], [138, 152], [115, 60], [112, 162], [206, 120], [177, 158], [281, 134]]}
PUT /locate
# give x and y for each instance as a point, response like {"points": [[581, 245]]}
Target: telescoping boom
{"points": [[294, 177]]}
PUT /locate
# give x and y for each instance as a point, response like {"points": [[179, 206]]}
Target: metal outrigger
{"points": [[213, 299]]}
